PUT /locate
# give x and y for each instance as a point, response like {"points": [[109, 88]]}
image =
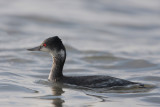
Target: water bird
{"points": [[56, 49]]}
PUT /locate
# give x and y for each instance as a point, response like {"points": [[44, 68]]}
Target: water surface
{"points": [[115, 38]]}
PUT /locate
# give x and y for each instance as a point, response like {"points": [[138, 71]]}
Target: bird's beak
{"points": [[38, 48]]}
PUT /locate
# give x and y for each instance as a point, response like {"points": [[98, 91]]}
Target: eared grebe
{"points": [[55, 47]]}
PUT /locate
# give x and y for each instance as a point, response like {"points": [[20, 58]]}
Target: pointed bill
{"points": [[35, 48]]}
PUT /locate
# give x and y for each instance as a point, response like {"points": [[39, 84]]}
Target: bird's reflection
{"points": [[57, 91]]}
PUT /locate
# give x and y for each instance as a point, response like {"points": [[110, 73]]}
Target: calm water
{"points": [[102, 37]]}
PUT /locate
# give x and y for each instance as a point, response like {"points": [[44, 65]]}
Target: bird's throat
{"points": [[56, 70]]}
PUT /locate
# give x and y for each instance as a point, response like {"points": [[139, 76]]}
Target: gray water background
{"points": [[119, 38]]}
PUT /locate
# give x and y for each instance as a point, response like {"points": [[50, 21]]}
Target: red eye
{"points": [[44, 45]]}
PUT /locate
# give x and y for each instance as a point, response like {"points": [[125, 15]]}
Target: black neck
{"points": [[57, 68]]}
